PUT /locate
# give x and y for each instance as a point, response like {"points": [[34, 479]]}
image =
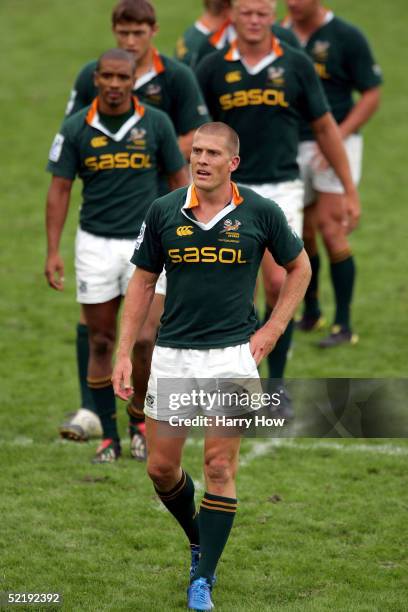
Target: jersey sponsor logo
{"points": [[233, 77], [322, 71], [184, 230], [118, 161], [99, 141], [253, 97], [320, 50], [140, 237], [207, 255], [275, 76], [56, 148], [231, 228]]}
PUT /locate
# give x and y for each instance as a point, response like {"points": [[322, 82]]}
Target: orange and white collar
{"points": [[192, 198], [192, 202], [225, 35], [93, 119], [157, 68], [233, 55]]}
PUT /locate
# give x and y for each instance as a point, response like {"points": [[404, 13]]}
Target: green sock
{"points": [[343, 275], [215, 519], [278, 357], [82, 355], [104, 400], [312, 306], [180, 503]]}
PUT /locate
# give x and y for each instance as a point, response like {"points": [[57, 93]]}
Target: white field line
{"points": [[257, 449], [260, 449]]}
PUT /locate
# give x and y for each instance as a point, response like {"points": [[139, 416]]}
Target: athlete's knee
{"points": [[334, 237], [162, 472], [219, 469], [102, 343]]}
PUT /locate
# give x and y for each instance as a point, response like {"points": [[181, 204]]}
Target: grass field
{"points": [[322, 524]]}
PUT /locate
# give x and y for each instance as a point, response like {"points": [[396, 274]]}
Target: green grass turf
{"points": [[95, 533]]}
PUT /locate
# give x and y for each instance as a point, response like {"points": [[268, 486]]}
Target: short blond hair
{"points": [[273, 3], [218, 128]]}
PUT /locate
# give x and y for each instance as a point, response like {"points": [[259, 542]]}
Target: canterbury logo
{"points": [[184, 230], [99, 141]]}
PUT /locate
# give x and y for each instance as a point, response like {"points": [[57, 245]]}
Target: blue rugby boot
{"points": [[199, 595]]}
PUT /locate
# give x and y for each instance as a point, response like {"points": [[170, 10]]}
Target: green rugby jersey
{"points": [[264, 104], [211, 268], [119, 170], [169, 86], [344, 62], [198, 41]]}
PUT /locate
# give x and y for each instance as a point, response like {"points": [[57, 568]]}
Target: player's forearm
{"points": [[56, 212], [361, 112], [139, 296], [331, 144], [291, 294]]}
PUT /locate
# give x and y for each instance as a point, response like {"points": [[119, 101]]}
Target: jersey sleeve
{"points": [[313, 101], [365, 72], [83, 92], [283, 242], [63, 158], [189, 109], [148, 253], [170, 157]]}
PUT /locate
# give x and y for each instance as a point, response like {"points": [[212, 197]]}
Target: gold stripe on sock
{"points": [[218, 503], [173, 494], [217, 508], [135, 411], [340, 256], [98, 383]]}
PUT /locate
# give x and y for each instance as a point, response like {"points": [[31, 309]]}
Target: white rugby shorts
{"points": [[289, 195], [223, 369], [326, 181], [103, 268]]}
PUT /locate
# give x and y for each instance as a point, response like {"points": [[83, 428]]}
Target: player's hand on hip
{"points": [[352, 211], [121, 378], [262, 343], [54, 271]]}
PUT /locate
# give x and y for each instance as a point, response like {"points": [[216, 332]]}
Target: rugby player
{"points": [[116, 146], [215, 30], [262, 87], [345, 64], [208, 328], [163, 83]]}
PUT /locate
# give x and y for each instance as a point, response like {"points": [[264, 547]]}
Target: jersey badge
{"points": [[231, 228], [184, 230], [233, 77], [99, 141], [320, 50], [138, 137], [275, 76]]}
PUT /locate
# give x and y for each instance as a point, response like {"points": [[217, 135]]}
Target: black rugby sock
{"points": [[180, 503]]}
